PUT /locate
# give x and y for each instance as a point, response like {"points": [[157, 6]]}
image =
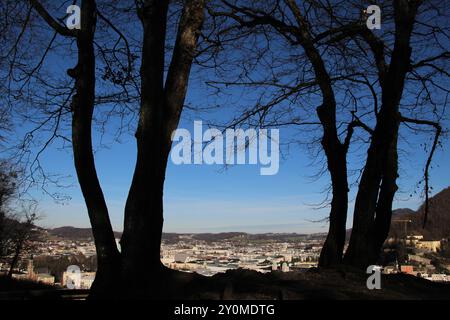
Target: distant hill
{"points": [[219, 236], [437, 227], [438, 222], [86, 234], [75, 233]]}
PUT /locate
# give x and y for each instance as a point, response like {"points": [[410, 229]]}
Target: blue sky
{"points": [[210, 198], [205, 198], [202, 198]]}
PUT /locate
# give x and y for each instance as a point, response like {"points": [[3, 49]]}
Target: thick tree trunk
{"points": [[160, 111], [360, 252], [82, 111], [143, 223], [161, 106], [373, 206]]}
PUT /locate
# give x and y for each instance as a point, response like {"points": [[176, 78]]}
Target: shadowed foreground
{"points": [[315, 284], [246, 284]]}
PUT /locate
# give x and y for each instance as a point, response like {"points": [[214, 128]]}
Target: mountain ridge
{"points": [[75, 233], [438, 221], [437, 227]]}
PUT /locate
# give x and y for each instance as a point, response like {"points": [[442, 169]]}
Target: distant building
{"points": [[440, 277], [39, 275], [413, 239], [81, 280], [407, 269], [389, 270], [45, 278], [419, 259], [274, 266], [181, 258], [433, 246]]}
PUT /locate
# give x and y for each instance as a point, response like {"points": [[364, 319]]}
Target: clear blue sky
{"points": [[208, 199], [203, 198]]}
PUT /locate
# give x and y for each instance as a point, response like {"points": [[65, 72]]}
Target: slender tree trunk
{"points": [[387, 192], [2, 231], [333, 247], [336, 154], [335, 151], [15, 259], [82, 111]]}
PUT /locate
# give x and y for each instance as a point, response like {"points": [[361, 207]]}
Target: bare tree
{"points": [[161, 102], [17, 218], [377, 187], [290, 25], [409, 36], [334, 40], [22, 233], [8, 188], [82, 108]]}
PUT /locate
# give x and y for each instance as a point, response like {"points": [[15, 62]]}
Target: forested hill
{"points": [[437, 227], [86, 234], [438, 222], [75, 233]]}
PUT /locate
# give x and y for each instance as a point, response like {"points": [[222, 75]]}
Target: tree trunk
{"points": [[336, 154], [143, 224], [82, 111], [387, 192], [369, 231], [2, 231], [160, 111], [15, 259], [161, 106], [333, 247], [360, 252], [335, 151]]}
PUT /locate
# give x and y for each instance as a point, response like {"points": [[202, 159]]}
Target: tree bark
{"points": [[15, 259], [108, 257], [335, 151], [362, 241], [373, 206], [387, 192], [161, 106], [333, 248]]}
